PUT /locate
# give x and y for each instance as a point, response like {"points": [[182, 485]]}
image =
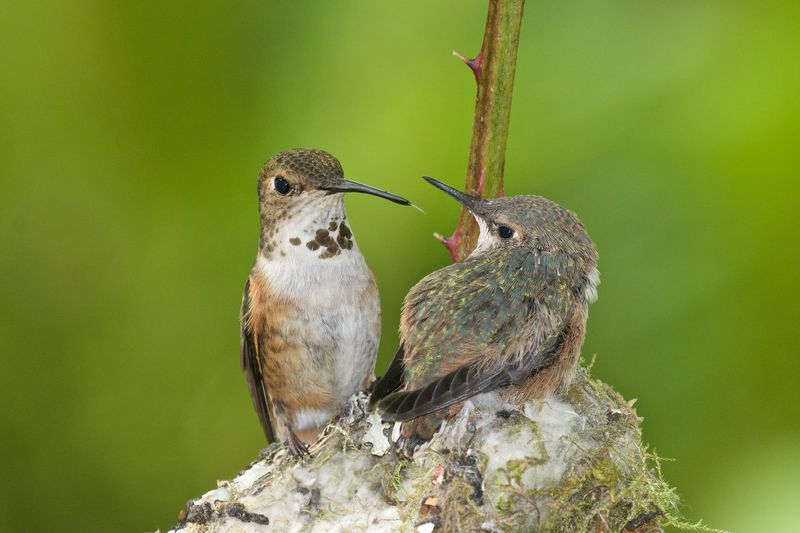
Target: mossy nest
{"points": [[573, 462]]}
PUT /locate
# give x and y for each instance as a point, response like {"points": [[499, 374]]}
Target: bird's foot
{"points": [[298, 448], [407, 446]]}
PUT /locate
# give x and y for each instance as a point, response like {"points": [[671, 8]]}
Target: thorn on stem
{"points": [[473, 64], [451, 243], [461, 58]]}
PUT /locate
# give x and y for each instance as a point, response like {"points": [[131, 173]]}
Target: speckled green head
{"points": [[301, 170], [525, 220]]}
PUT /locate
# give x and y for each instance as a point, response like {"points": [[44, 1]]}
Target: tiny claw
{"points": [[407, 445], [297, 447], [441, 238]]}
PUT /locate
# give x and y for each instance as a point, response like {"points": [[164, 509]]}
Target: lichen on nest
{"points": [[572, 462]]}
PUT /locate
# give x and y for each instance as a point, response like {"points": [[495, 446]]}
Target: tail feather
{"points": [[450, 389], [391, 380]]}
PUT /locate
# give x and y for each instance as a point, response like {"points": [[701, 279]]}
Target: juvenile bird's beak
{"points": [[354, 186], [473, 203]]}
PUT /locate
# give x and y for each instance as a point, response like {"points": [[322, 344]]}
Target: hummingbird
{"points": [[511, 317], [310, 314]]}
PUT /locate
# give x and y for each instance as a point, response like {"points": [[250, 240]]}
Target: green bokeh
{"points": [[130, 139]]}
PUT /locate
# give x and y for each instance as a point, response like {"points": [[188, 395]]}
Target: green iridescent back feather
{"points": [[487, 303]]}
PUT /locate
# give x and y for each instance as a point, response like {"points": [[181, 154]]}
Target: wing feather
{"points": [[459, 385], [251, 366], [498, 318], [391, 380]]}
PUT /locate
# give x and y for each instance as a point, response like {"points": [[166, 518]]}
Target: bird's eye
{"points": [[281, 185], [505, 232]]}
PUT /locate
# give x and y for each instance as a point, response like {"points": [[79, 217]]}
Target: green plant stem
{"points": [[494, 69]]}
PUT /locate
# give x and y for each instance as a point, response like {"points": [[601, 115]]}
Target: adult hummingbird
{"points": [[511, 316], [310, 316]]}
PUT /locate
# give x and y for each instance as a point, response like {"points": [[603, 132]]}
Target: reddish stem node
{"points": [[474, 64], [451, 243]]}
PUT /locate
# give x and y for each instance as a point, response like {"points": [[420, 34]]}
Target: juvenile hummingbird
{"points": [[310, 316], [511, 316]]}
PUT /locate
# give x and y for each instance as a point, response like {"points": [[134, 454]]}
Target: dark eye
{"points": [[281, 185], [505, 232]]}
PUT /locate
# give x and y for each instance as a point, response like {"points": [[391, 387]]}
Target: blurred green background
{"points": [[130, 139]]}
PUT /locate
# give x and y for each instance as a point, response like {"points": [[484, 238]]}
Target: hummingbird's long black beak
{"points": [[354, 186], [472, 203]]}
